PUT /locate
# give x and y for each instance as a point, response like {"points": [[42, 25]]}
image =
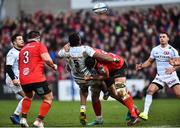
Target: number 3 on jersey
{"points": [[26, 57]]}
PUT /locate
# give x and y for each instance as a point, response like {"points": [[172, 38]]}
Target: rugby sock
{"points": [[97, 108], [44, 109], [147, 104], [18, 108], [26, 103], [122, 102], [129, 103]]}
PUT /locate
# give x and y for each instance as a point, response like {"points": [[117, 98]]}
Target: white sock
{"points": [[83, 107], [147, 104], [18, 108], [99, 118]]}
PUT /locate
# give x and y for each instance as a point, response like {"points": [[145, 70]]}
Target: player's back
{"points": [[31, 64], [76, 60]]}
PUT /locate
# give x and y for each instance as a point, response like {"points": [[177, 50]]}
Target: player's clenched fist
{"points": [[16, 82], [55, 67], [138, 67]]}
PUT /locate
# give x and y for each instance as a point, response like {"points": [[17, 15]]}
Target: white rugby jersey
{"points": [[76, 60], [12, 58], [162, 57]]}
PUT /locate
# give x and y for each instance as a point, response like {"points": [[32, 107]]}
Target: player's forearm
{"points": [[10, 72], [146, 64], [103, 57], [50, 63], [177, 68]]}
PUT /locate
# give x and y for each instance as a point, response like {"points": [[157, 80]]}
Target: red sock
{"points": [[129, 103], [26, 103], [122, 102], [97, 108], [44, 109]]}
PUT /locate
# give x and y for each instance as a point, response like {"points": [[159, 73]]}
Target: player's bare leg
{"points": [[176, 90], [127, 99], [148, 100], [96, 103], [114, 93], [83, 99], [44, 109]]}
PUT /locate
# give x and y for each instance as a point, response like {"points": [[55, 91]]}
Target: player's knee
{"points": [[49, 97], [121, 89], [177, 94], [150, 91]]}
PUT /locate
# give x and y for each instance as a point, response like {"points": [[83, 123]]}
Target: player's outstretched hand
{"points": [[170, 70], [16, 82], [138, 67]]}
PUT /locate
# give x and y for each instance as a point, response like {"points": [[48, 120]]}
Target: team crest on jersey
{"points": [[166, 53], [25, 71]]}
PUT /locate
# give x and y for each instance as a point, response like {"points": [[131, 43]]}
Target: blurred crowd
{"points": [[131, 34]]}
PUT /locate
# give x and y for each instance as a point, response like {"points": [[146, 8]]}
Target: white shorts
{"points": [[14, 88], [169, 80]]}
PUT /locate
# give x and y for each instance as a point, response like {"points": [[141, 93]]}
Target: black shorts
{"points": [[118, 73], [41, 88]]}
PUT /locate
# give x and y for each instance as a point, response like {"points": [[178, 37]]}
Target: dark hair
{"points": [[164, 32], [33, 34], [90, 62], [13, 38], [74, 39]]}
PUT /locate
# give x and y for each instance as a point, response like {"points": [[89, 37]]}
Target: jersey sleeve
{"points": [[61, 53], [175, 53], [90, 51], [10, 58], [152, 54], [43, 49]]}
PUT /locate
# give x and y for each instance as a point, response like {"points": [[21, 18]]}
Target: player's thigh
{"points": [[176, 90], [95, 91], [113, 91], [153, 87]]}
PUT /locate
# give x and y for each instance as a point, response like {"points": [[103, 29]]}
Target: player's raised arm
{"points": [[146, 64]]}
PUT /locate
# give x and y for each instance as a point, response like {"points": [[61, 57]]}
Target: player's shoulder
{"points": [[156, 48], [12, 51], [171, 47]]}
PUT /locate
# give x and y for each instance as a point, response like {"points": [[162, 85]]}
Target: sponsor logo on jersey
{"points": [[166, 53], [25, 71]]}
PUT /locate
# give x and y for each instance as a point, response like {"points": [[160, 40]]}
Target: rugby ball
{"points": [[100, 8]]}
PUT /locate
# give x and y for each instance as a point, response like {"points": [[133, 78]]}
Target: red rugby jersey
{"points": [[31, 65]]}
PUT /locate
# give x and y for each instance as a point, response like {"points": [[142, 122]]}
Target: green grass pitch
{"points": [[164, 112]]}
